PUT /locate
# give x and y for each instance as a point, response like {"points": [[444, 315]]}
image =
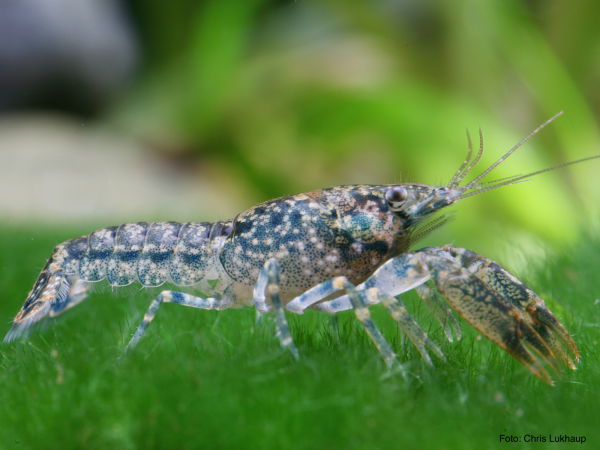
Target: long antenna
{"points": [[521, 178], [493, 166]]}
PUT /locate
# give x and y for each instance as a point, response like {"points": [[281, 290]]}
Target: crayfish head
{"points": [[411, 203]]}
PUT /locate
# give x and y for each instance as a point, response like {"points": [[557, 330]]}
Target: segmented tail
{"points": [[148, 253]]}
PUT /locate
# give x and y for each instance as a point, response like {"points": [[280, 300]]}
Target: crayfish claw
{"points": [[542, 314], [492, 315]]}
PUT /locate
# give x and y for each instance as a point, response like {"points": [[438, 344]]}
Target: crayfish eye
{"points": [[396, 196]]}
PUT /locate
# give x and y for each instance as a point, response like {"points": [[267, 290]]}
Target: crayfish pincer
{"points": [[344, 247]]}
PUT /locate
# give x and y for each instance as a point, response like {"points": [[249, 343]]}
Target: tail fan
{"points": [[48, 290]]}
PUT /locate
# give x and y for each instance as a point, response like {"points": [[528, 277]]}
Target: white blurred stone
{"points": [[56, 170]]}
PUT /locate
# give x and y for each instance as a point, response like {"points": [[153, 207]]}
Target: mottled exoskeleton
{"points": [[345, 247]]}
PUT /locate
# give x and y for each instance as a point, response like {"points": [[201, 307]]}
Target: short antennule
{"points": [[462, 172], [458, 176], [479, 153]]}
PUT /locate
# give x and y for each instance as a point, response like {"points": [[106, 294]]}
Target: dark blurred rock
{"points": [[65, 54]]}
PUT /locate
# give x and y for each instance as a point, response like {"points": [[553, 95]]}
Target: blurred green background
{"points": [[260, 99]]}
